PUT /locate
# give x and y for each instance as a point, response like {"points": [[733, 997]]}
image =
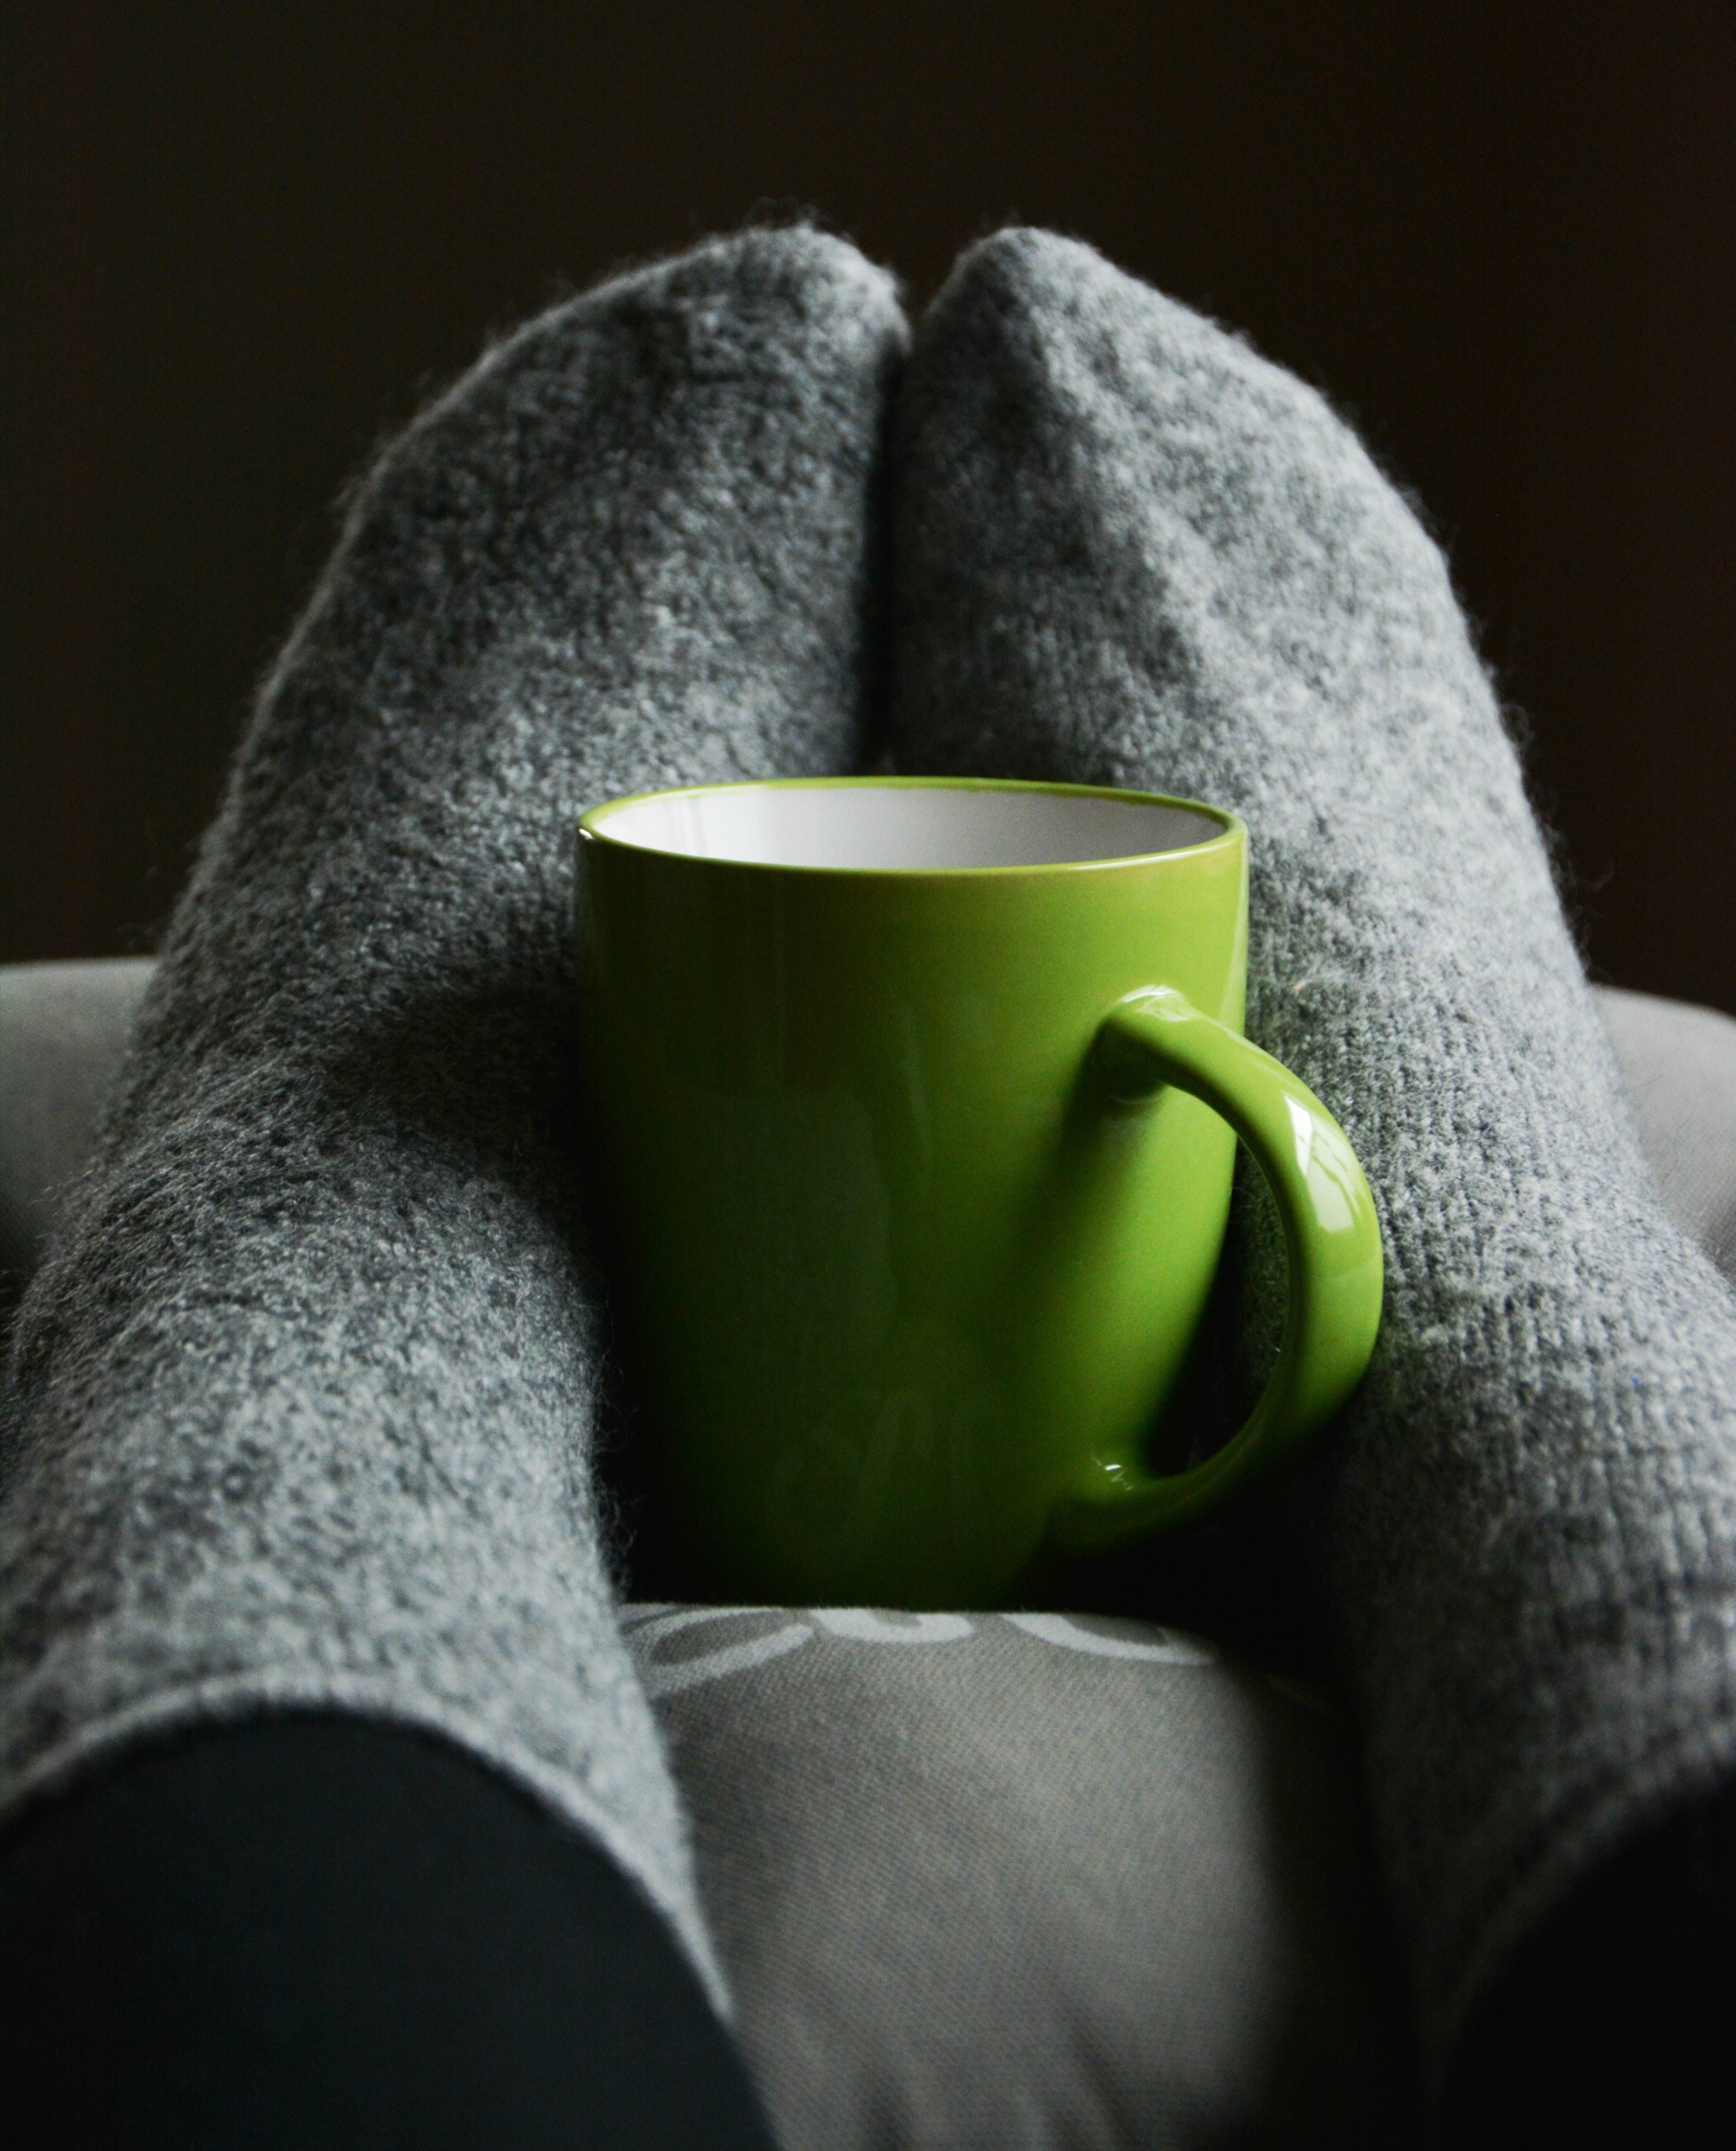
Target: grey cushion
{"points": [[1678, 1067], [1011, 1880], [63, 1029], [1000, 1880]]}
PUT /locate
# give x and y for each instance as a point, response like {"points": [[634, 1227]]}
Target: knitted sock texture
{"points": [[1128, 551], [299, 1408]]}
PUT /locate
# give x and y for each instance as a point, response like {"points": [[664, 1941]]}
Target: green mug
{"points": [[915, 1102]]}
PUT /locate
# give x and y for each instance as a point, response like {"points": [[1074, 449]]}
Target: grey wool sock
{"points": [[300, 1407], [1129, 551]]}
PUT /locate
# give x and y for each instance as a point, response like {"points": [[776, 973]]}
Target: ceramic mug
{"points": [[915, 1102]]}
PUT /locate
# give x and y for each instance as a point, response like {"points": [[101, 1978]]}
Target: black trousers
{"points": [[310, 1930]]}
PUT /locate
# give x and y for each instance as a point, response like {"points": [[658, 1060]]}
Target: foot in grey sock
{"points": [[299, 1407], [1128, 551]]}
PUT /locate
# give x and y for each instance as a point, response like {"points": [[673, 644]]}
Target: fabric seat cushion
{"points": [[1000, 1879]]}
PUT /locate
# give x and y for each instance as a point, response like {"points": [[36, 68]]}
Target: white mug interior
{"points": [[908, 828]]}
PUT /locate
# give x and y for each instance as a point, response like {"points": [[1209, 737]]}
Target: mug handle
{"points": [[1332, 1238]]}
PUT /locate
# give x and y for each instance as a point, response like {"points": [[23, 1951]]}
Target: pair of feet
{"points": [[326, 1293]]}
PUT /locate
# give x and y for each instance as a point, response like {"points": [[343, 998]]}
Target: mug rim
{"points": [[1232, 829]]}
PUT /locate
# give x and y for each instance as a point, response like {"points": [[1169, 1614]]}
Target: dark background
{"points": [[241, 241]]}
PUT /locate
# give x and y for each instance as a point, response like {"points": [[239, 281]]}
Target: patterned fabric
{"points": [[1030, 1881]]}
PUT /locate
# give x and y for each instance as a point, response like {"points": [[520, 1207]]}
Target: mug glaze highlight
{"points": [[916, 1102]]}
